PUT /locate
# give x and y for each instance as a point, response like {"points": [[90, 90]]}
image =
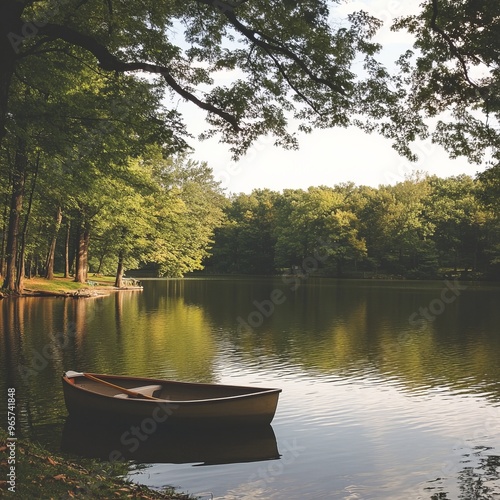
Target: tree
{"points": [[488, 192], [455, 210], [245, 243], [287, 60], [317, 222], [453, 77], [370, 206], [407, 234], [187, 205], [121, 227]]}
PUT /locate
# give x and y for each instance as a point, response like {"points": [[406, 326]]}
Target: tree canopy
{"points": [[254, 66], [251, 65], [423, 227], [453, 74]]}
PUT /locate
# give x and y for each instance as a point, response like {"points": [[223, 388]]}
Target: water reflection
{"points": [[349, 328], [183, 328], [480, 482], [218, 446], [477, 479], [369, 393]]}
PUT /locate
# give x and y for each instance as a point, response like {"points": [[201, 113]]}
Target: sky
{"points": [[332, 156]]}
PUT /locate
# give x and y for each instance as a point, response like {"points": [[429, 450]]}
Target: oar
{"points": [[122, 389]]}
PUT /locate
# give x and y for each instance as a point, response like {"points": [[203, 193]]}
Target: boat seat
{"points": [[146, 390]]}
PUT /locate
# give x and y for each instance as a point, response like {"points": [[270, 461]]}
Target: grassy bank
{"points": [[63, 285], [40, 474], [60, 286]]}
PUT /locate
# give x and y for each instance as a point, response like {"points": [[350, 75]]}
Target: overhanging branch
{"points": [[110, 62], [453, 48], [267, 43]]}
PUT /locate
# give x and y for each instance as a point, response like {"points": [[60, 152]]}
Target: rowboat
{"points": [[156, 402]]}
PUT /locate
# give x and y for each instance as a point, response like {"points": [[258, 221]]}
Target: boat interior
{"points": [[163, 390]]}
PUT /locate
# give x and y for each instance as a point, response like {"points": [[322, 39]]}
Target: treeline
{"points": [[94, 176], [158, 211], [423, 227]]}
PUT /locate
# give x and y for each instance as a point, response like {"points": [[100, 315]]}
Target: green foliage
{"points": [[317, 221], [187, 206], [253, 66], [92, 95], [488, 192], [453, 74], [420, 228], [245, 242], [103, 149]]}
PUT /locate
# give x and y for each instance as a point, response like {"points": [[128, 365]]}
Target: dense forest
{"points": [[170, 214], [95, 172], [424, 227]]}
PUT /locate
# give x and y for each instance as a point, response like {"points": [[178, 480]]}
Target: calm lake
{"points": [[391, 389]]}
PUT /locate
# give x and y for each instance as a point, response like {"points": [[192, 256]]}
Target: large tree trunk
{"points": [[21, 269], [66, 249], [82, 247], [22, 254], [10, 37], [10, 28], [119, 271], [49, 266], [16, 204], [101, 262]]}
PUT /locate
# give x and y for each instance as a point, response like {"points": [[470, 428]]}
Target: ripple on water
{"points": [[370, 407]]}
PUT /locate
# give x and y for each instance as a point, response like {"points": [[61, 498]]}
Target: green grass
{"points": [[61, 285], [103, 279], [55, 285]]}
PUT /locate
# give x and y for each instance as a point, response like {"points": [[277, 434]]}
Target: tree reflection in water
{"points": [[477, 482]]}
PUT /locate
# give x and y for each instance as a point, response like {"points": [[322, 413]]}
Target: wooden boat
{"points": [[156, 402]]}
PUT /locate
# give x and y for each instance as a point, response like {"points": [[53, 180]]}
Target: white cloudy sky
{"points": [[328, 157]]}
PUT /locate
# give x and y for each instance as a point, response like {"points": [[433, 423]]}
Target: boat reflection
{"points": [[218, 446]]}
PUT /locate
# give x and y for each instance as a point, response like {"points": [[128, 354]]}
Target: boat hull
{"points": [[178, 403]]}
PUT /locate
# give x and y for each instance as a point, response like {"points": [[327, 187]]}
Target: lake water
{"points": [[391, 390]]}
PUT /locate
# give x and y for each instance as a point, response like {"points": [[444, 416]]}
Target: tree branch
{"points": [[293, 87], [266, 42], [110, 62], [451, 44]]}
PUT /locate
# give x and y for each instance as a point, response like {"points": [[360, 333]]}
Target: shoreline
{"points": [[67, 288], [33, 470]]}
